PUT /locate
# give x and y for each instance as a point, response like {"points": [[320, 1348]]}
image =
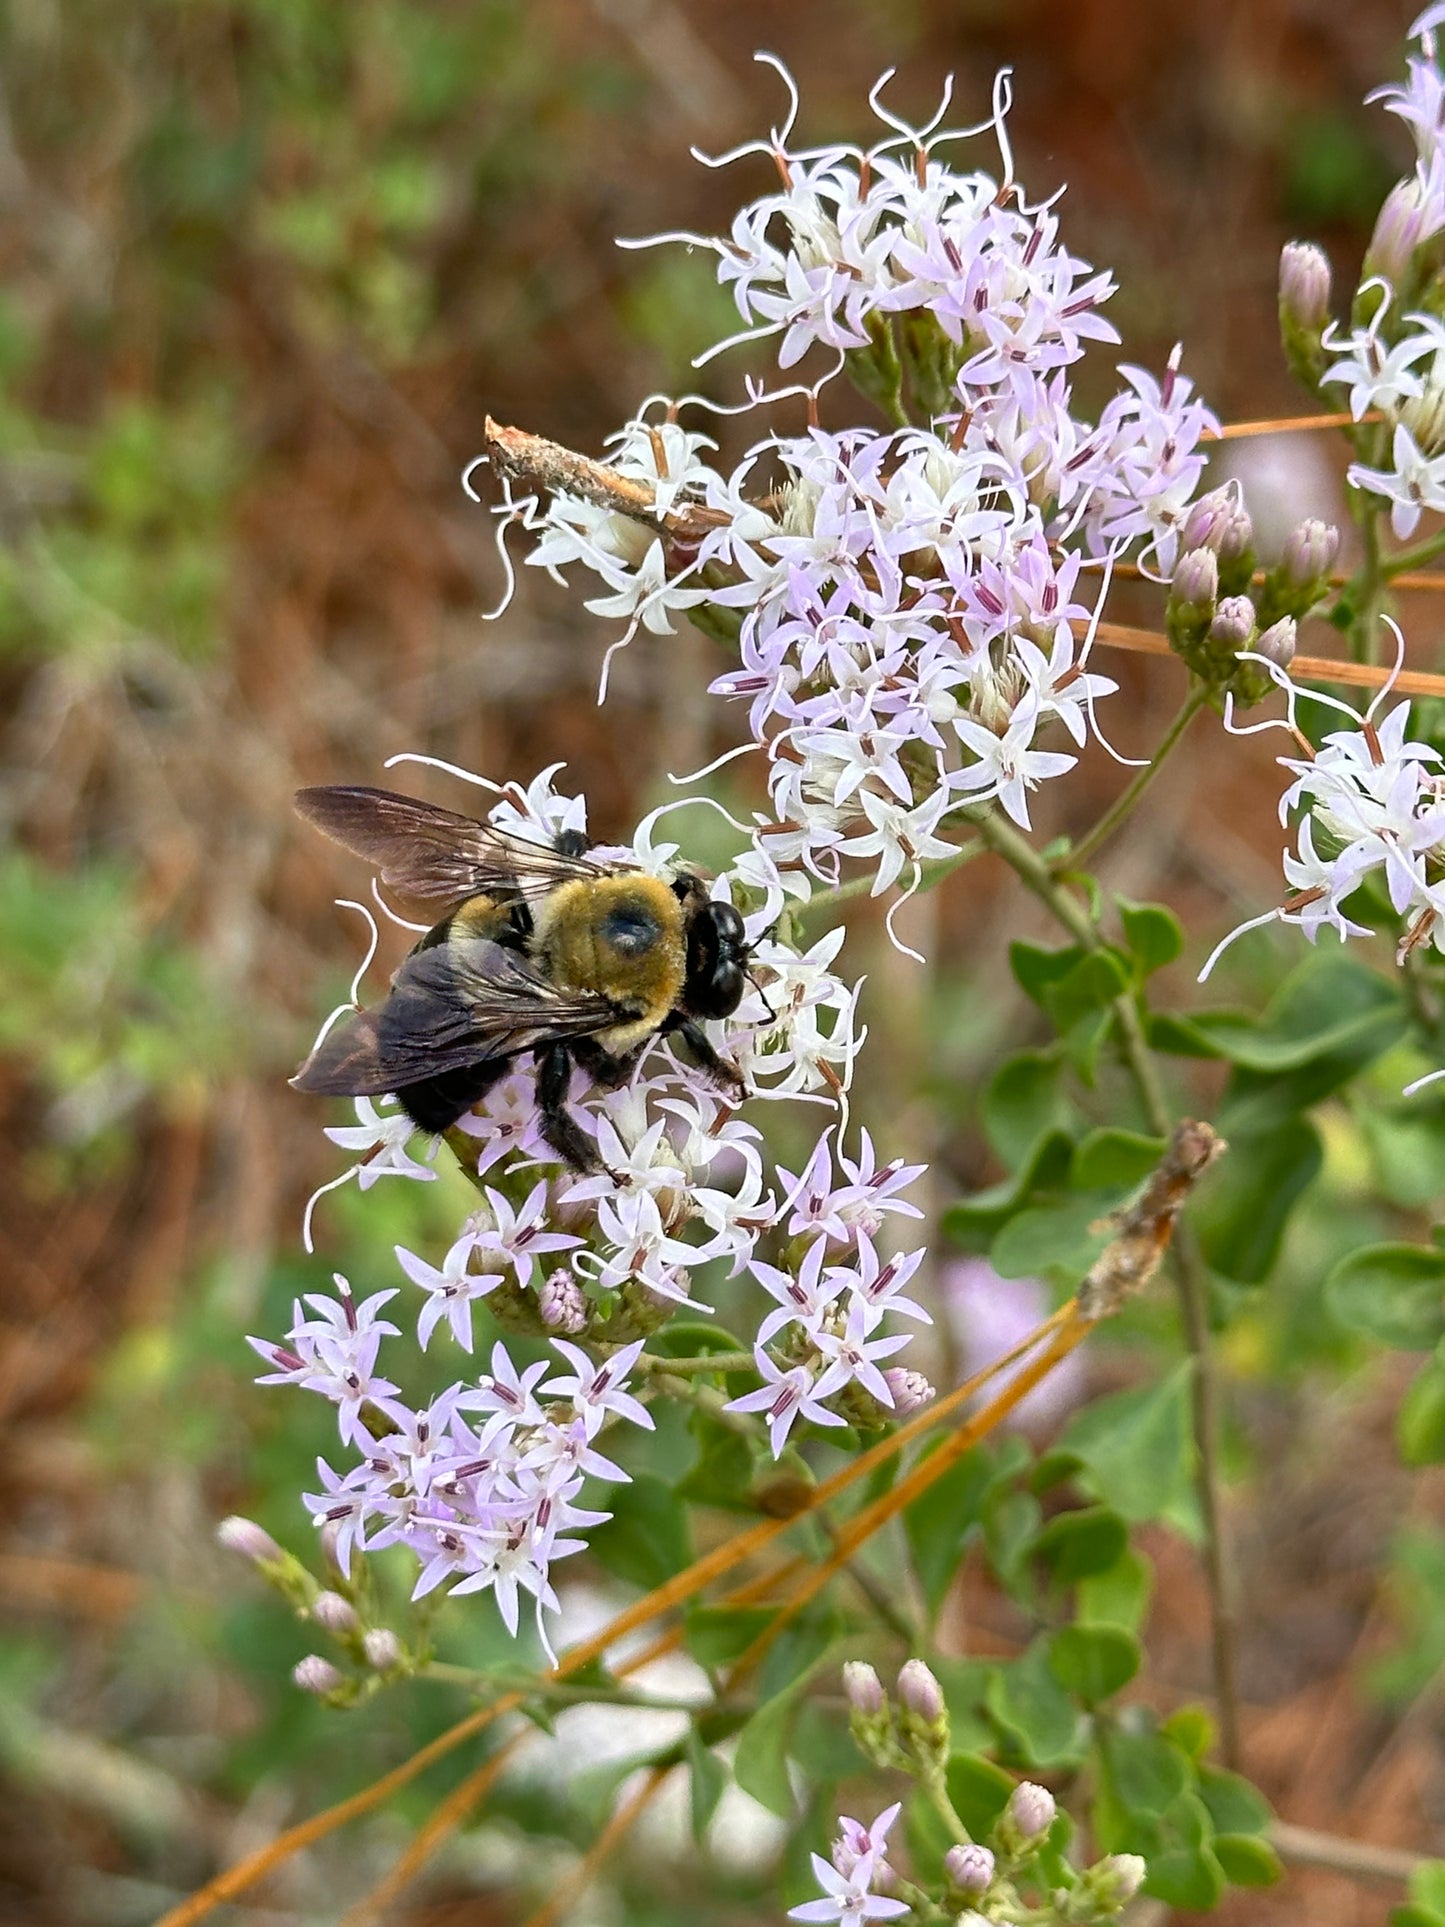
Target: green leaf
{"points": [[1420, 1421], [1089, 988], [1076, 1545], [1407, 1148], [974, 1220], [938, 1522], [965, 1684], [979, 1791], [1243, 1207], [1427, 1884], [722, 1474], [1032, 1708], [1391, 1292], [1415, 1916], [709, 1779], [760, 1764], [717, 1635], [1022, 1103], [1325, 1008], [1094, 1661], [1247, 1860], [1152, 933], [1036, 971], [1180, 1036], [1185, 1874], [647, 1539], [1056, 1242], [1190, 1728], [1232, 1803], [1113, 1160], [1118, 1597], [1146, 1773], [1137, 1447]]}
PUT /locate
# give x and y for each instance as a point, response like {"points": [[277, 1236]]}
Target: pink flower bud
{"points": [[1122, 1877], [863, 1688], [1196, 578], [911, 1390], [920, 1692], [1031, 1808], [1399, 229], [1309, 553], [1233, 623], [1218, 521], [335, 1614], [562, 1304], [316, 1675], [382, 1649], [1278, 642], [970, 1868], [253, 1542], [1304, 285]]}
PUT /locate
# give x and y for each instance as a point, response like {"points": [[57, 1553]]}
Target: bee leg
{"points": [[559, 1127], [607, 1072], [699, 1052]]}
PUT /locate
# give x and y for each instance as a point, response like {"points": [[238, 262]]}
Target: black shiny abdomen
{"points": [[717, 955]]}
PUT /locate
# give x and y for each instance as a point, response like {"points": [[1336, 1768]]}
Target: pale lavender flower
{"points": [[786, 1396], [451, 1291]]}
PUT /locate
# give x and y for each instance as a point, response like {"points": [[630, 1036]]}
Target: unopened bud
{"points": [[382, 1649], [1031, 1808], [863, 1688], [316, 1675], [969, 1869], [1218, 521], [562, 1303], [1113, 1881], [1278, 642], [335, 1614], [911, 1390], [1304, 286], [253, 1542], [1233, 623], [1400, 227], [920, 1692], [1309, 553], [1196, 578], [331, 1543]]}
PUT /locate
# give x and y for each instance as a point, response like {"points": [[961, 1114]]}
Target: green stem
{"points": [[1190, 1277], [1121, 807], [1411, 558], [703, 1362], [1370, 580], [937, 1791]]}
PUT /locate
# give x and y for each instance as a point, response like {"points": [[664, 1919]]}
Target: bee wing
{"points": [[433, 855], [449, 1007]]}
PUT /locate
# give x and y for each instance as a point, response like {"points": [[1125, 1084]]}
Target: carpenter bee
{"points": [[542, 949]]}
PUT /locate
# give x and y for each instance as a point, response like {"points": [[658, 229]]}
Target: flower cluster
{"points": [[1371, 801], [483, 1481], [853, 1874], [824, 1333], [909, 619], [1392, 360]]}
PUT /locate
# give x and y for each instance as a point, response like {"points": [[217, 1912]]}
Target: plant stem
{"points": [[703, 1362], [1370, 579], [1191, 1280], [1123, 804], [1411, 558]]}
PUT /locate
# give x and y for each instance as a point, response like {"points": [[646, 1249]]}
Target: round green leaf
{"points": [[1420, 1423], [1076, 1545], [1392, 1292], [1247, 1860], [1094, 1661]]}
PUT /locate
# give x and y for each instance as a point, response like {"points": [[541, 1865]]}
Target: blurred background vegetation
{"points": [[267, 264]]}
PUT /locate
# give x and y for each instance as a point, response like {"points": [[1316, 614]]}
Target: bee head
{"points": [[717, 960]]}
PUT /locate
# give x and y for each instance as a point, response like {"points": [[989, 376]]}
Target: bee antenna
{"points": [[772, 1014]]}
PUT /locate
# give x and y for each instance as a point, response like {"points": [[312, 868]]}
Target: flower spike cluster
{"points": [[912, 629], [1370, 801], [484, 1482]]}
